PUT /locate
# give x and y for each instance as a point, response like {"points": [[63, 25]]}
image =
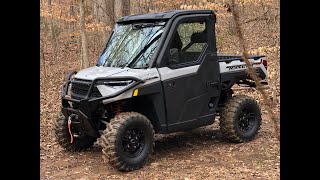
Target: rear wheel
{"points": [[128, 141], [240, 119], [80, 140]]}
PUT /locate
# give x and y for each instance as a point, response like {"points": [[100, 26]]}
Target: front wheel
{"points": [[63, 137], [128, 141], [240, 119]]}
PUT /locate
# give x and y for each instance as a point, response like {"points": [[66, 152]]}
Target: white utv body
{"points": [[159, 73]]}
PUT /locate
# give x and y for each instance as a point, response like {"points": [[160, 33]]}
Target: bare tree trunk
{"points": [[53, 33], [110, 18], [95, 8], [49, 6], [104, 38], [42, 61], [251, 70], [103, 11], [42, 57], [275, 78], [121, 8], [71, 15], [84, 58]]}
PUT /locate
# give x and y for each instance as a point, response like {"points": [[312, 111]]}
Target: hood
{"points": [[94, 72], [101, 71]]}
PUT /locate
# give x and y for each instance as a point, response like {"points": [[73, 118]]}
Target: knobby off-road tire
{"points": [[63, 136], [128, 141], [240, 119]]}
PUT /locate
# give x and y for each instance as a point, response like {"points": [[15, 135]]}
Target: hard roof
{"points": [[162, 15]]}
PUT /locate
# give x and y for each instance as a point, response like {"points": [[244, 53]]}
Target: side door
{"points": [[190, 77]]}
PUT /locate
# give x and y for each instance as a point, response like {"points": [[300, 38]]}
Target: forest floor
{"points": [[199, 154]]}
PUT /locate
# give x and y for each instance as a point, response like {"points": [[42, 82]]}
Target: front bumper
{"points": [[86, 107]]}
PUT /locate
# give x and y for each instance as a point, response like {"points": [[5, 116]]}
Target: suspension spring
{"points": [[117, 108]]}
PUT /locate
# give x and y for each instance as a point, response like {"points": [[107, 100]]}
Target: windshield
{"points": [[131, 45]]}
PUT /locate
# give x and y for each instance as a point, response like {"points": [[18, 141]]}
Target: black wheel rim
{"points": [[133, 142], [246, 120]]}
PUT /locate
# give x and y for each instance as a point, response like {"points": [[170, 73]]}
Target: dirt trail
{"points": [[198, 154]]}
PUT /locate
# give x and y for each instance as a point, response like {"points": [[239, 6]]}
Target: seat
{"points": [[176, 43]]}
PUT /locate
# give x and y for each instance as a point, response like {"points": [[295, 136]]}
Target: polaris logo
{"points": [[236, 67]]}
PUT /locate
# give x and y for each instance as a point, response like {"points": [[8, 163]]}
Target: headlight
{"points": [[113, 83], [118, 83], [107, 87]]}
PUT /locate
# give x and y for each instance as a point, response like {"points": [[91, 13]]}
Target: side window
{"points": [[188, 43]]}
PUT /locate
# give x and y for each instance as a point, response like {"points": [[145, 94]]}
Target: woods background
{"points": [[73, 34]]}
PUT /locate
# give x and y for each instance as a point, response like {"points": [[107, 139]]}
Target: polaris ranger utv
{"points": [[159, 73]]}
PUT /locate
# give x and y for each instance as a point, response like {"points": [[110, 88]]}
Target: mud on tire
{"points": [[63, 136], [240, 119], [128, 141]]}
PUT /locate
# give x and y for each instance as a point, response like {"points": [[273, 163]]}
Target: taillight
{"points": [[265, 63]]}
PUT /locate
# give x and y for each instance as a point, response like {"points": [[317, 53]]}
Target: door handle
{"points": [[172, 84], [212, 84]]}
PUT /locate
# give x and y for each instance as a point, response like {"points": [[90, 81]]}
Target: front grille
{"points": [[79, 89]]}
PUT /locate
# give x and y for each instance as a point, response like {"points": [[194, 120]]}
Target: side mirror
{"points": [[174, 56]]}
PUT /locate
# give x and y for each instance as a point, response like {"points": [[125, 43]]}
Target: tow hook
{"points": [[69, 127]]}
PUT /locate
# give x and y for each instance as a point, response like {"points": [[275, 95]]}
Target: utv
{"points": [[159, 73]]}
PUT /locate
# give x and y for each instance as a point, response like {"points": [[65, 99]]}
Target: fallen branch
{"points": [[251, 70], [251, 88]]}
